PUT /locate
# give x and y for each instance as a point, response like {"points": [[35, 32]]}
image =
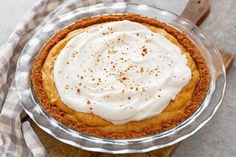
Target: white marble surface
{"points": [[218, 137]]}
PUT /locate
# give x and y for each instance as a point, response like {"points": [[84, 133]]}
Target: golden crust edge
{"points": [[199, 94]]}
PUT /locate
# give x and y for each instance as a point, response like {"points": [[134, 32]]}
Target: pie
{"points": [[120, 76]]}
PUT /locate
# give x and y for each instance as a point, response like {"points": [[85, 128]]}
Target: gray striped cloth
{"points": [[17, 138]]}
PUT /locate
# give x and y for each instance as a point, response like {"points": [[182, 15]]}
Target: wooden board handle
{"points": [[196, 10]]}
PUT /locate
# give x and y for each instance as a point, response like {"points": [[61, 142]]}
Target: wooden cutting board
{"points": [[195, 11]]}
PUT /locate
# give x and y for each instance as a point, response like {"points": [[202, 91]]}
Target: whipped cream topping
{"points": [[120, 71]]}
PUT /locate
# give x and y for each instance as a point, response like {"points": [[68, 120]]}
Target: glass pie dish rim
{"points": [[116, 142]]}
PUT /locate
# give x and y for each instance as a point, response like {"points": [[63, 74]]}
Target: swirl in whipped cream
{"points": [[120, 71]]}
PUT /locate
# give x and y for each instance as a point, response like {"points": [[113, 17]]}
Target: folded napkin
{"points": [[18, 138]]}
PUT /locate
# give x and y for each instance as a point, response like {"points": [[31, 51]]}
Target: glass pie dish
{"points": [[167, 138]]}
